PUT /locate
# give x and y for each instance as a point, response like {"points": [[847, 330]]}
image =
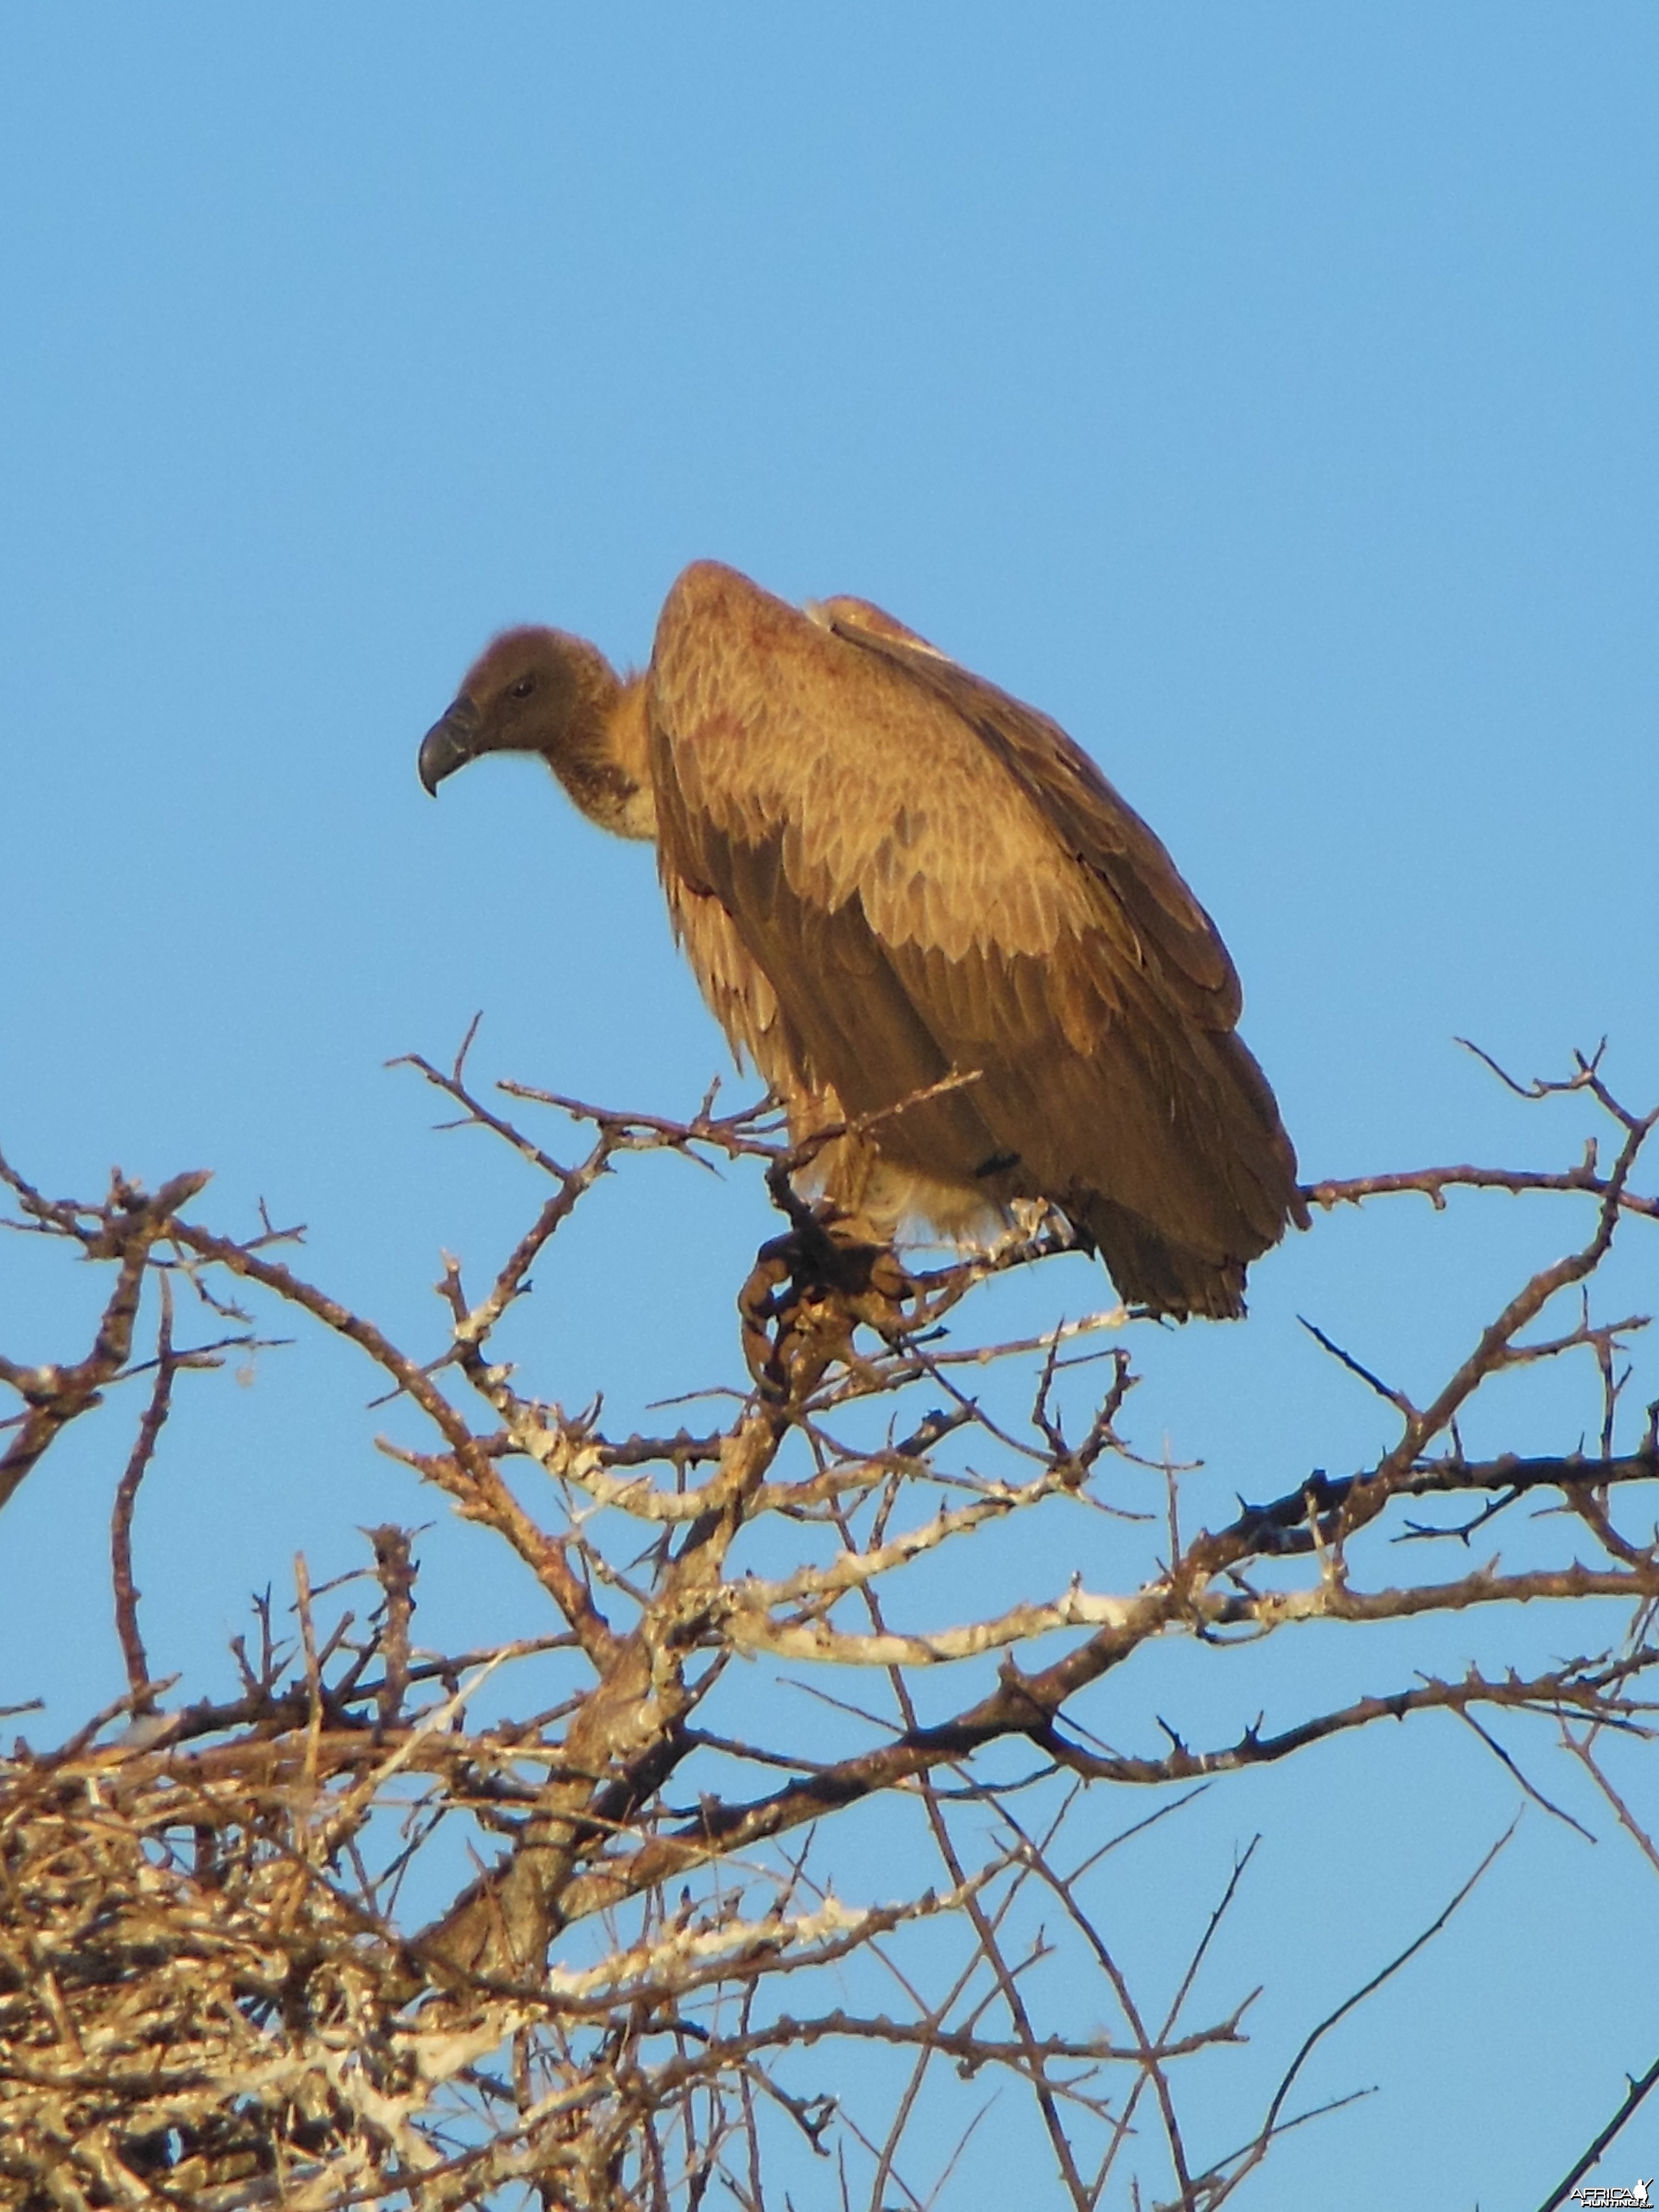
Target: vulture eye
{"points": [[523, 688]]}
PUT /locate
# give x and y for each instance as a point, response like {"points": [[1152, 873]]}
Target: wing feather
{"points": [[1088, 816]]}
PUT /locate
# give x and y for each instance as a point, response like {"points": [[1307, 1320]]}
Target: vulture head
{"points": [[539, 691]]}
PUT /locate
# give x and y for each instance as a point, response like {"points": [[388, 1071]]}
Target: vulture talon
{"points": [[805, 1298]]}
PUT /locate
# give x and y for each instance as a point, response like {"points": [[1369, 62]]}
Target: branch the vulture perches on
{"points": [[886, 873]]}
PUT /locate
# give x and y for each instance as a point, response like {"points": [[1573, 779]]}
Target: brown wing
{"points": [[1094, 823], [744, 1003], [933, 879]]}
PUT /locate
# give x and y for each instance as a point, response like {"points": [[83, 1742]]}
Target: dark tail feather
{"points": [[1149, 1271]]}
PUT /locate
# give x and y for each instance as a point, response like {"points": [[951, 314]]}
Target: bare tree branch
{"points": [[212, 1992]]}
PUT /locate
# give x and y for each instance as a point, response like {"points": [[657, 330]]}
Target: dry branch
{"points": [[232, 1972]]}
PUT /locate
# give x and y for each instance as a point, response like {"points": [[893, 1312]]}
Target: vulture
{"points": [[887, 874]]}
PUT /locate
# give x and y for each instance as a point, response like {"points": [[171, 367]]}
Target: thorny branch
{"points": [[247, 1893]]}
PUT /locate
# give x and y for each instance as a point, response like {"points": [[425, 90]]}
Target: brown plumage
{"points": [[886, 872]]}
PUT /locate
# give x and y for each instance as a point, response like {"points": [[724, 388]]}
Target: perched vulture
{"points": [[886, 872]]}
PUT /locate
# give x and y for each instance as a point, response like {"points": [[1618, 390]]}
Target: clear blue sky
{"points": [[1266, 391]]}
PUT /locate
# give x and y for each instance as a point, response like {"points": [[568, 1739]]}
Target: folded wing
{"points": [[886, 872]]}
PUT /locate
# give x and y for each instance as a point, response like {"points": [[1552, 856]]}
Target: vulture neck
{"points": [[604, 758]]}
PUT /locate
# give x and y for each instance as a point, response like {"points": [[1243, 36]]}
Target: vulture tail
{"points": [[1150, 1271]]}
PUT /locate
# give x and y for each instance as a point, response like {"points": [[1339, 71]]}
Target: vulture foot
{"points": [[808, 1293]]}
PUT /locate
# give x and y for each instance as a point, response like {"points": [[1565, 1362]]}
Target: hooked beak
{"points": [[450, 744]]}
